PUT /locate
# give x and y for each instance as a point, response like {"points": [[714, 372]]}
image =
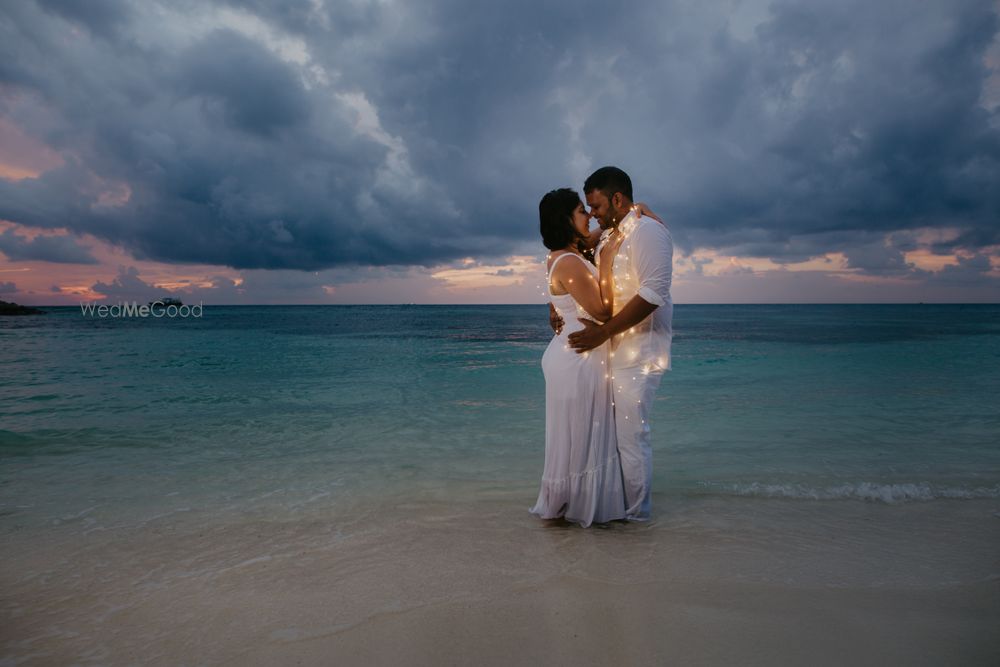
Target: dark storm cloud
{"points": [[227, 157], [969, 272], [100, 17], [253, 91], [820, 130], [127, 286], [879, 258], [309, 135], [62, 249]]}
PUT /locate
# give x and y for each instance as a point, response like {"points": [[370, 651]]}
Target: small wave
{"points": [[42, 397], [869, 491]]}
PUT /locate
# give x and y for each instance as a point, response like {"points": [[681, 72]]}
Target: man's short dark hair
{"points": [[609, 180]]}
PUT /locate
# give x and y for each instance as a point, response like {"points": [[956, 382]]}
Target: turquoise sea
{"points": [[138, 455], [274, 409]]}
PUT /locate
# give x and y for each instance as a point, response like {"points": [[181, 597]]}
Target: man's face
{"points": [[600, 208]]}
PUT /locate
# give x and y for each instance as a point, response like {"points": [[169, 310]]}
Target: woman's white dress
{"points": [[582, 479]]}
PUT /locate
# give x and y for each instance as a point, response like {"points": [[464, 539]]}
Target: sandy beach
{"points": [[709, 582]]}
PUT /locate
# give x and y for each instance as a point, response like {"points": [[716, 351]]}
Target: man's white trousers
{"points": [[634, 392]]}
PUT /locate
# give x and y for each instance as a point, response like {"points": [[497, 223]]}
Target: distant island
{"points": [[8, 308], [167, 301]]}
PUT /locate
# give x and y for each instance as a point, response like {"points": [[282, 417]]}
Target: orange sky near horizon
{"points": [[515, 279]]}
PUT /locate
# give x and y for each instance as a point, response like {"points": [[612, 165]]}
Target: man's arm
{"points": [[653, 257], [593, 334]]}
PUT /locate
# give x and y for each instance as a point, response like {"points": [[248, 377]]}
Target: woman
{"points": [[581, 480]]}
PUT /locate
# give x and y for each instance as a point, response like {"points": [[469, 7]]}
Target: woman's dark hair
{"points": [[555, 212]]}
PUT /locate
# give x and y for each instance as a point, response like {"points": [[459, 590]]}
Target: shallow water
{"points": [[289, 409]]}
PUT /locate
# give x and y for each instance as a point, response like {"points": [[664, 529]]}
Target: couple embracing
{"points": [[611, 310]]}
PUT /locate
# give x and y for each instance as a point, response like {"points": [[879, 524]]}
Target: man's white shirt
{"points": [[644, 267]]}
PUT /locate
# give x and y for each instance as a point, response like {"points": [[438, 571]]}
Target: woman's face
{"points": [[581, 220]]}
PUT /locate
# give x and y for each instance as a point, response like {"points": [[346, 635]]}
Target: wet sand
{"points": [[570, 620], [710, 581]]}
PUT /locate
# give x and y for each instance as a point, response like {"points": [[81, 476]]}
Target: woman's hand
{"points": [[555, 321], [642, 209]]}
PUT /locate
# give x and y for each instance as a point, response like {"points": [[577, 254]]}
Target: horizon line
{"points": [[754, 303]]}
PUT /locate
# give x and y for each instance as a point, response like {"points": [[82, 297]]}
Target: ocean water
{"points": [[183, 491], [301, 409]]}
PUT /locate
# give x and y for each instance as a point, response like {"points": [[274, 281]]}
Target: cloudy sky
{"points": [[347, 151]]}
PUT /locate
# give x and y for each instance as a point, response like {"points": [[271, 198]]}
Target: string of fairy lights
{"points": [[624, 231]]}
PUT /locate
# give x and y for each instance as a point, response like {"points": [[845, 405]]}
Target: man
{"points": [[635, 262]]}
